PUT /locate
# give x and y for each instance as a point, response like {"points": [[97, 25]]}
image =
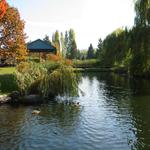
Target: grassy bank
{"points": [[7, 83], [7, 80], [116, 70], [7, 70], [90, 63]]}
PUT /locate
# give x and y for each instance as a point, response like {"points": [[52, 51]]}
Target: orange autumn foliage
{"points": [[3, 7], [12, 39], [58, 58], [52, 57], [68, 62]]}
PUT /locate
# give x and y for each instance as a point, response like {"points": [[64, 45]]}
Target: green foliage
{"points": [[99, 49], [56, 42], [71, 44], [90, 53], [91, 63], [63, 45], [28, 74], [7, 83], [114, 48], [129, 49], [48, 79], [62, 81], [7, 70], [47, 39], [142, 8], [7, 80], [141, 50], [66, 46]]}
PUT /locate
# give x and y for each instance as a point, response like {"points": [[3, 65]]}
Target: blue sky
{"points": [[91, 19]]}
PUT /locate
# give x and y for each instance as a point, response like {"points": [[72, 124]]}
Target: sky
{"points": [[91, 19]]}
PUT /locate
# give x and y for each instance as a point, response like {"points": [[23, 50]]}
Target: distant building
{"points": [[40, 48]]}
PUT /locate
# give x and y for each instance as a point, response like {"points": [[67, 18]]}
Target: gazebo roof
{"points": [[40, 46]]}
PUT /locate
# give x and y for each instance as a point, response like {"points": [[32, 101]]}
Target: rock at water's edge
{"points": [[31, 99], [4, 99]]}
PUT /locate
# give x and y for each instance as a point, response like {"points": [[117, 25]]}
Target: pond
{"points": [[114, 114]]}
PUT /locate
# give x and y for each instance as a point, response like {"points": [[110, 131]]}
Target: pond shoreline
{"points": [[121, 71], [14, 98], [11, 97]]}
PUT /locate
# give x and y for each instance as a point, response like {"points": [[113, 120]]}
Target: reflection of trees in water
{"points": [[131, 100], [140, 86], [141, 121]]}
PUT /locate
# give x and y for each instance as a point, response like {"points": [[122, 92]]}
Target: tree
{"points": [[56, 42], [74, 51], [140, 38], [99, 48], [142, 9], [47, 39], [63, 45], [130, 48], [12, 37], [78, 54], [90, 53], [66, 42], [3, 7], [71, 45]]}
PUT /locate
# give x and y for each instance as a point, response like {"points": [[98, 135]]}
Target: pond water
{"points": [[114, 114]]}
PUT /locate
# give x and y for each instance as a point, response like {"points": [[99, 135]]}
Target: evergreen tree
{"points": [[71, 46], [78, 54], [99, 48], [73, 54], [47, 39], [67, 43], [90, 53]]}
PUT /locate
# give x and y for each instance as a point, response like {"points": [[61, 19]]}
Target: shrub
{"points": [[90, 63], [60, 81], [52, 57], [50, 79], [28, 74]]}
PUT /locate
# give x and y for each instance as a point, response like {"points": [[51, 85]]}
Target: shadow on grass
{"points": [[7, 83]]}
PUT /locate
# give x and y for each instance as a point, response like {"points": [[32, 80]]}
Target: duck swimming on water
{"points": [[36, 112]]}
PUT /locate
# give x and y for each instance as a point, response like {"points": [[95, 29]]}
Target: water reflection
{"points": [[114, 115], [131, 99]]}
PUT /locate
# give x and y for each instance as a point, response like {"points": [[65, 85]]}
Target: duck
{"points": [[36, 112], [76, 104]]}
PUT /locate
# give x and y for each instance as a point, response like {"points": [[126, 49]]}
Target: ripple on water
{"points": [[110, 118]]}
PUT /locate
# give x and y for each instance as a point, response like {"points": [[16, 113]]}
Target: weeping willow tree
{"points": [[48, 81], [142, 9], [140, 39], [60, 81]]}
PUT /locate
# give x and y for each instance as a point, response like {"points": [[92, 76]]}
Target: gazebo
{"points": [[40, 48]]}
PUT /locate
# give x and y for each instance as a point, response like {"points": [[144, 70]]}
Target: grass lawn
{"points": [[7, 70], [7, 80]]}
